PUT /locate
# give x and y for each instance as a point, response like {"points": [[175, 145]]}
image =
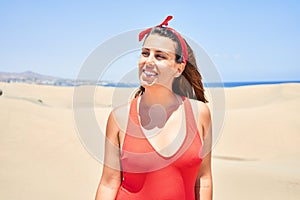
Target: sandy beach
{"points": [[42, 157]]}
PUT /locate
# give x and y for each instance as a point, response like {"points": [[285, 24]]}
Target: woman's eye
{"points": [[159, 56], [144, 53]]}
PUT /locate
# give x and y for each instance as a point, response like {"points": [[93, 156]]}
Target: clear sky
{"points": [[247, 40]]}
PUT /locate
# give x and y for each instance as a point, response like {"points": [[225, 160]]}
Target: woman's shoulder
{"points": [[120, 114], [201, 110], [202, 117]]}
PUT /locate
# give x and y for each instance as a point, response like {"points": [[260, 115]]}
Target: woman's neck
{"points": [[159, 95], [156, 106]]}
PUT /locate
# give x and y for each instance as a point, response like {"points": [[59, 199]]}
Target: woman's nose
{"points": [[150, 60]]}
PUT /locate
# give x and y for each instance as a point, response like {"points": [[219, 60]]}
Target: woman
{"points": [[160, 149]]}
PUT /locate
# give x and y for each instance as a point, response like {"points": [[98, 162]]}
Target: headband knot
{"points": [[181, 40], [165, 22]]}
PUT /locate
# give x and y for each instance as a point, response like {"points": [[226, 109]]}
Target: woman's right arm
{"points": [[111, 174]]}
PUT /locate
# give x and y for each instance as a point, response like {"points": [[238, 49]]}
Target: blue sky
{"points": [[247, 40]]}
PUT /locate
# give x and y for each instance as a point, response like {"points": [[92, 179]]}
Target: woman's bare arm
{"points": [[204, 183], [111, 174]]}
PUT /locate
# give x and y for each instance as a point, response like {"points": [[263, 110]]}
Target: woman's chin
{"points": [[154, 81], [147, 81]]}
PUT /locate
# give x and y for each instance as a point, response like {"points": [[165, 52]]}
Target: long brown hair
{"points": [[189, 84]]}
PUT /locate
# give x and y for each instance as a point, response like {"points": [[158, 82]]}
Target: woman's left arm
{"points": [[204, 182]]}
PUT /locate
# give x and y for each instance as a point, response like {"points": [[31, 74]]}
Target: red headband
{"points": [[181, 40]]}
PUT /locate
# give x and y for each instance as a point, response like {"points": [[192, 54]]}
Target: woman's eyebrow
{"points": [[157, 51], [163, 52]]}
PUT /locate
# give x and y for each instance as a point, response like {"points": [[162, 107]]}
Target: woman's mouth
{"points": [[150, 73]]}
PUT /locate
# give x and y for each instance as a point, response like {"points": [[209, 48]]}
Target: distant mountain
{"points": [[26, 74], [32, 77]]}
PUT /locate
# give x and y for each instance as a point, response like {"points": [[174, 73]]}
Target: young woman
{"points": [[158, 145]]}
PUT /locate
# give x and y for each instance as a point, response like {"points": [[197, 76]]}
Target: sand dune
{"points": [[41, 156]]}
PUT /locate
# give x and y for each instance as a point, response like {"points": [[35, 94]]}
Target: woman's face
{"points": [[157, 62]]}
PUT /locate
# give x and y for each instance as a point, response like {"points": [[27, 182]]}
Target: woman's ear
{"points": [[180, 69]]}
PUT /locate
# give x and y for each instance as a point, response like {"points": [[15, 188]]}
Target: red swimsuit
{"points": [[149, 175]]}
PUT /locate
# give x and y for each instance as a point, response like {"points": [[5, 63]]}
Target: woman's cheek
{"points": [[166, 68]]}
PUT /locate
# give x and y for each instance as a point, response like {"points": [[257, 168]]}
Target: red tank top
{"points": [[149, 175]]}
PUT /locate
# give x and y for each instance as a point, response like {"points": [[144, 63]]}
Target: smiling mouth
{"points": [[149, 73]]}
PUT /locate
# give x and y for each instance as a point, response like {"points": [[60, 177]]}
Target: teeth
{"points": [[149, 73]]}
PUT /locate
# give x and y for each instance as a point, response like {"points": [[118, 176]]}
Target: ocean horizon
{"points": [[210, 85], [41, 79]]}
